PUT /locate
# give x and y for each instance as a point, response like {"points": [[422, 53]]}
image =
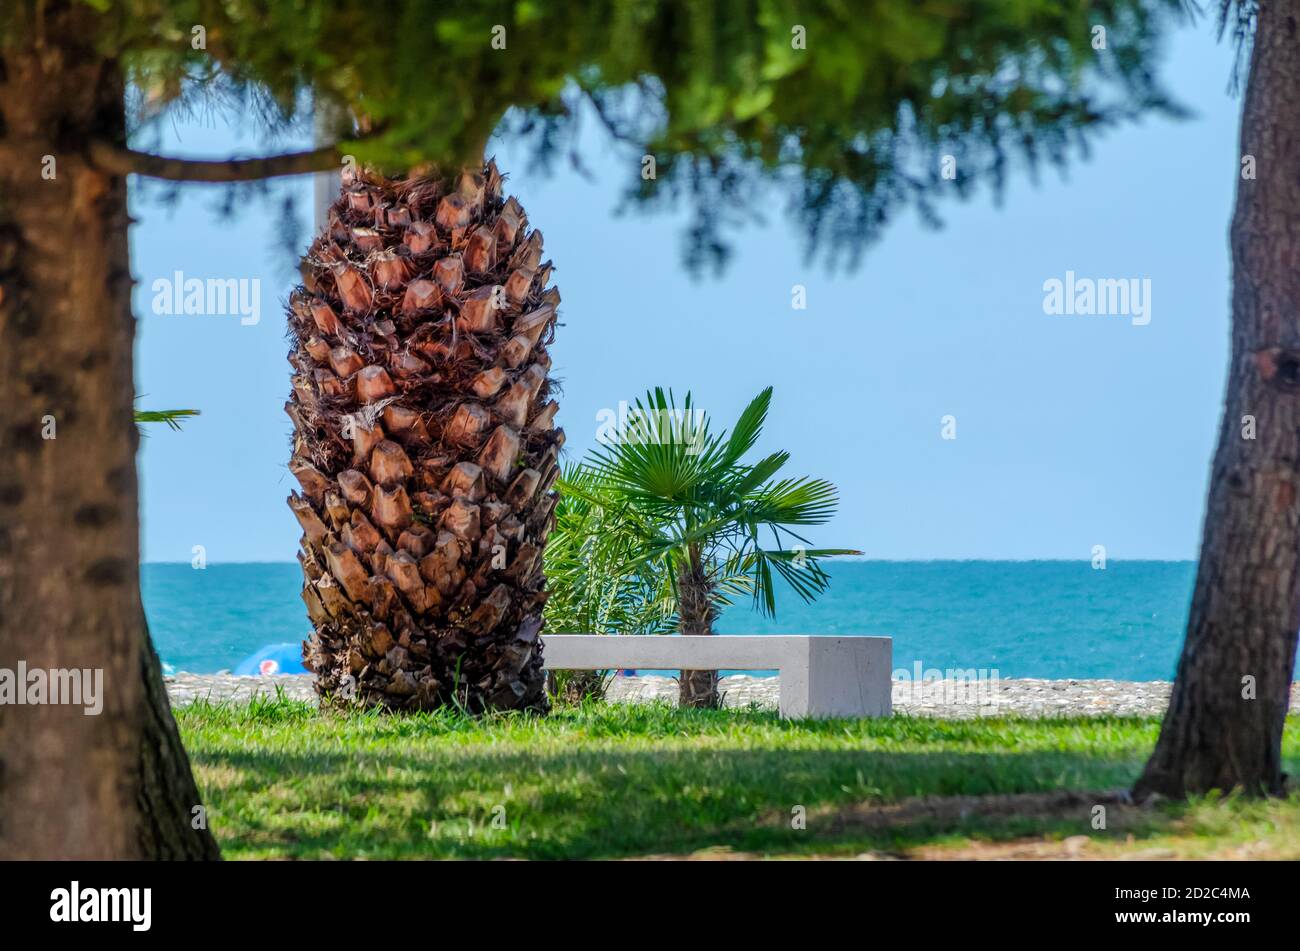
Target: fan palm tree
{"points": [[697, 511]]}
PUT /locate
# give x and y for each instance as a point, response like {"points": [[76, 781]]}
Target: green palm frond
{"points": [[748, 427], [800, 501], [171, 417], [655, 462], [747, 480]]}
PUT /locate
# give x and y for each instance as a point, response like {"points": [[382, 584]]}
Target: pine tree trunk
{"points": [[697, 688], [172, 822], [72, 785], [1224, 725]]}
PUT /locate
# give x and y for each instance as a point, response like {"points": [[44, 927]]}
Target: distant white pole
{"points": [[327, 184]]}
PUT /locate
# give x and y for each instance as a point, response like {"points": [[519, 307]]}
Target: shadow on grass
{"points": [[604, 804]]}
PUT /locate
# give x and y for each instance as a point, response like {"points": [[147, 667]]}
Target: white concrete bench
{"points": [[820, 676]]}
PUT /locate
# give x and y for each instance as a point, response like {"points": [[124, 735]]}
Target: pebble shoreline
{"points": [[938, 698]]}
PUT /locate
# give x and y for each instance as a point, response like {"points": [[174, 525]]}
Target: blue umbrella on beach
{"points": [[271, 660]]}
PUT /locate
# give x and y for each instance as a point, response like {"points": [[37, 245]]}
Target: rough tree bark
{"points": [[170, 824], [697, 688], [1223, 729], [116, 784]]}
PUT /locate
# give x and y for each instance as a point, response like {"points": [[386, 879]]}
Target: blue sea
{"points": [[1053, 619]]}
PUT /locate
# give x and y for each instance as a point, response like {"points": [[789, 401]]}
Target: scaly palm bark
{"points": [[425, 444]]}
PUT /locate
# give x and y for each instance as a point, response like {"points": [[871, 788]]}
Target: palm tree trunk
{"points": [[698, 688], [112, 784], [425, 444], [1224, 725]]}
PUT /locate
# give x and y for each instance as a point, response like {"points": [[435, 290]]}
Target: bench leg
{"points": [[794, 701], [839, 677]]}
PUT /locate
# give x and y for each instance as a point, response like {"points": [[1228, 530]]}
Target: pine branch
{"points": [[123, 161]]}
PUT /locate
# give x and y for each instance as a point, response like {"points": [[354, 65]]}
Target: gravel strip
{"points": [[945, 698]]}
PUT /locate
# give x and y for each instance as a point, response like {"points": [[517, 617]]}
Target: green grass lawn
{"points": [[603, 781]]}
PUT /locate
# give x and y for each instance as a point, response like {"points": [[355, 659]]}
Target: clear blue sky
{"points": [[1071, 431]]}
